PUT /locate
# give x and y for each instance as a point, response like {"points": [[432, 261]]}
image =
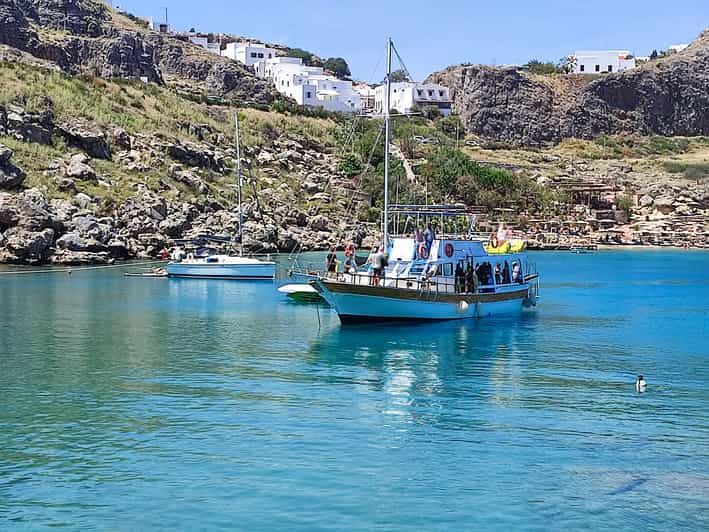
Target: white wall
{"points": [[248, 54], [406, 96], [602, 61]]}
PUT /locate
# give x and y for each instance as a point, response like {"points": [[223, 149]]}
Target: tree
{"points": [[351, 165], [431, 112], [338, 66], [536, 66], [653, 55], [399, 75], [307, 57]]}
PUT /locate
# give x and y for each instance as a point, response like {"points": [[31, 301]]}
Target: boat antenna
{"points": [[239, 183], [387, 142]]}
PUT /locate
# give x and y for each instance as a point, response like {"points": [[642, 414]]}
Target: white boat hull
{"points": [[258, 270], [404, 305]]}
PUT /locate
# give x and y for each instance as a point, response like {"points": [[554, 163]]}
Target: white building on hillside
{"points": [[309, 85], [366, 94], [249, 54], [407, 96], [602, 61]]}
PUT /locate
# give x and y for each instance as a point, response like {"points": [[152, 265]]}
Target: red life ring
{"points": [[423, 250], [449, 250]]}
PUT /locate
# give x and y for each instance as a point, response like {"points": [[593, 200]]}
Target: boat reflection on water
{"points": [[425, 370]]}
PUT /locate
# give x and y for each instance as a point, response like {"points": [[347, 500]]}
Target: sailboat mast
{"points": [[387, 142], [238, 183]]}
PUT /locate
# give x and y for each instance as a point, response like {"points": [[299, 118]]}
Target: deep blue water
{"points": [[129, 404]]}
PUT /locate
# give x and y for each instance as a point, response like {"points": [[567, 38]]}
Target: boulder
{"points": [[21, 245], [78, 168], [87, 138], [74, 242], [10, 175]]}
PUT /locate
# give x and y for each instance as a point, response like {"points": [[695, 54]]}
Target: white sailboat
{"points": [[445, 277], [225, 266]]}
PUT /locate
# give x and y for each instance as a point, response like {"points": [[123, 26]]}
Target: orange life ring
{"points": [[449, 249], [423, 250]]}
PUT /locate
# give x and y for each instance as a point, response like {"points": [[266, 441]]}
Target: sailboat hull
{"points": [[256, 270], [360, 304]]}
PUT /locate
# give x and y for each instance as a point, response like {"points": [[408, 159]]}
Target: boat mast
{"points": [[238, 183], [387, 142]]}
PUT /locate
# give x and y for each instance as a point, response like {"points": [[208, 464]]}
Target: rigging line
{"points": [[401, 61], [372, 79]]}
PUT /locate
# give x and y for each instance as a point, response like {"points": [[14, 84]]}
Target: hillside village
{"points": [[92, 169]]}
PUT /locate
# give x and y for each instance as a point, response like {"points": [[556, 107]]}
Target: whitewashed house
{"points": [[250, 54], [310, 85], [408, 96], [602, 61], [366, 94]]}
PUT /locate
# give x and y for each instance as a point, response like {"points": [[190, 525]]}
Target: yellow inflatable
{"points": [[499, 250], [516, 246], [511, 246]]}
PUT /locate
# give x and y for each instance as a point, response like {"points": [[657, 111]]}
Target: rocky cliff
{"points": [[668, 96], [86, 36]]}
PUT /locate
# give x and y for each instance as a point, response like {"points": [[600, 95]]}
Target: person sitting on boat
{"points": [[493, 241], [331, 260], [498, 274]]}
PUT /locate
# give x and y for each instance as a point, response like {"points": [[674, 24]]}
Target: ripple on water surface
{"points": [[158, 403]]}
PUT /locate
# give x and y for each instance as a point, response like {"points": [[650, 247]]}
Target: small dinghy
{"points": [[303, 293]]}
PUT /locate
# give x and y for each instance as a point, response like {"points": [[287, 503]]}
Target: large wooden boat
{"points": [[442, 278], [454, 278]]}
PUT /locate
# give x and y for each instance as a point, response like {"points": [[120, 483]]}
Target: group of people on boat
{"points": [[470, 278], [423, 241]]}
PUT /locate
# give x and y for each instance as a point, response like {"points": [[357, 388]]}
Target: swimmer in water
{"points": [[640, 384]]}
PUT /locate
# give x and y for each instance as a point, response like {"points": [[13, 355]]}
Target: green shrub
{"points": [[351, 165]]}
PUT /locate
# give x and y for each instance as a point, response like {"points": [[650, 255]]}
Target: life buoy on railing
{"points": [[423, 250], [449, 249]]}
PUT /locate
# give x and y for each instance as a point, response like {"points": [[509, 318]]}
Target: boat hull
{"points": [[265, 270], [360, 304]]}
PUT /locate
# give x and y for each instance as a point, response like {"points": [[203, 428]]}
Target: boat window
{"points": [[448, 269], [212, 259]]}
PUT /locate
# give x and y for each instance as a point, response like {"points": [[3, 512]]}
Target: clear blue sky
{"points": [[431, 34]]}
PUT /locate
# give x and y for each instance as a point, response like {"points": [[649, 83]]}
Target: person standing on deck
{"points": [[331, 260], [470, 277], [378, 266], [429, 236]]}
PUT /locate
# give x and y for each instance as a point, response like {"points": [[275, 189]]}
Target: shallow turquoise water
{"points": [[128, 404]]}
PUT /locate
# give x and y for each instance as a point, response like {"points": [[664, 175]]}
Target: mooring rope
{"points": [[81, 268]]}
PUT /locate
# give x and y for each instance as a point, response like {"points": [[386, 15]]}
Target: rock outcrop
{"points": [[86, 36], [668, 96], [10, 175]]}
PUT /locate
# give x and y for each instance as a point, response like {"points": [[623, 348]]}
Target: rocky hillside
{"points": [[93, 170], [86, 36], [668, 96]]}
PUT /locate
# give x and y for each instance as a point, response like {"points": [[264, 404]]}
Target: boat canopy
{"points": [[450, 221]]}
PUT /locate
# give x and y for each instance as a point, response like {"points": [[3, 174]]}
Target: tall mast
{"points": [[238, 183], [387, 142]]}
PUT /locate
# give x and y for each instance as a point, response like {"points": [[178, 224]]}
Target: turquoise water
{"points": [[128, 404]]}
